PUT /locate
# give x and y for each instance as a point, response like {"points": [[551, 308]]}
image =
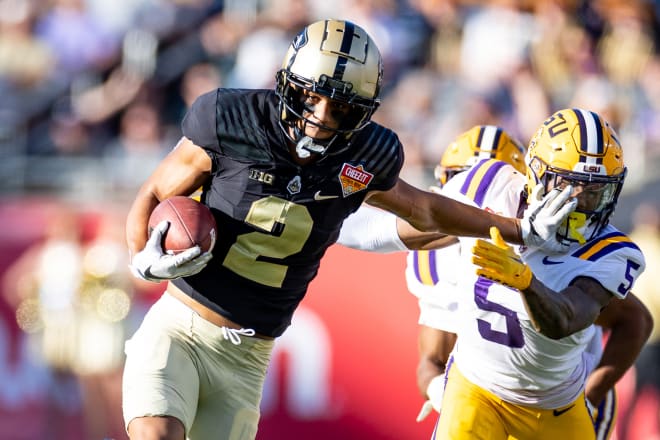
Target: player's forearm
{"points": [[460, 219], [552, 313], [430, 212], [435, 347], [602, 379], [626, 340], [413, 238], [137, 221], [426, 371]]}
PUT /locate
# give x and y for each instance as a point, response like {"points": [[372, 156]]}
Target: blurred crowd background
{"points": [[93, 92]]}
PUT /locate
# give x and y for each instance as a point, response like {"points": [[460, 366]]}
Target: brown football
{"points": [[191, 223]]}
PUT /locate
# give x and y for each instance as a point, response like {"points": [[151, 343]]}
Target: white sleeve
{"points": [[371, 229]]}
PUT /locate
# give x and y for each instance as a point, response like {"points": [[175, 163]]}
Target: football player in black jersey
{"points": [[281, 170]]}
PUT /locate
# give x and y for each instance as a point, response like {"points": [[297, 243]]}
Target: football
{"points": [[191, 224]]}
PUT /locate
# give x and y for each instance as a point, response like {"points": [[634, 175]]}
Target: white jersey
{"points": [[498, 348], [432, 276]]}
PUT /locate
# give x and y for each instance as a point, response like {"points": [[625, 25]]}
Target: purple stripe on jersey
{"points": [[433, 269], [585, 248], [486, 181], [416, 266], [471, 172], [450, 363], [611, 248]]}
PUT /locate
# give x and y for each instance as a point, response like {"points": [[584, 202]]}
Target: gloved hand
{"points": [[435, 392], [544, 216], [152, 264], [498, 262]]}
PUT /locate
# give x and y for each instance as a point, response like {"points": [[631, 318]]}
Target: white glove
{"points": [[544, 216], [152, 264], [435, 391]]}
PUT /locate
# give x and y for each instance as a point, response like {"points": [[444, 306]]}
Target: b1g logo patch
{"points": [[353, 179]]}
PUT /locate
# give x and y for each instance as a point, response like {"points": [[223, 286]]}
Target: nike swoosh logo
{"points": [[318, 196], [558, 412], [550, 262]]}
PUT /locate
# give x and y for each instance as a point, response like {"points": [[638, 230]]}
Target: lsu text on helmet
{"points": [[479, 142], [336, 59], [578, 147]]}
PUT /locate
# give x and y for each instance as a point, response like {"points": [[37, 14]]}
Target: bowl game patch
{"points": [[353, 179]]}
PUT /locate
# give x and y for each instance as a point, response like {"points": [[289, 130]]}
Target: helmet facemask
{"points": [[293, 109], [443, 174], [596, 195]]}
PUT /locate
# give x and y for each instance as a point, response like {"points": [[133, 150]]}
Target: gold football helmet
{"points": [[337, 59], [479, 142], [577, 147]]}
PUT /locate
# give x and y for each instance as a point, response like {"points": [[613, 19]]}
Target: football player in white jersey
{"points": [[430, 274], [520, 365], [629, 319], [431, 277]]}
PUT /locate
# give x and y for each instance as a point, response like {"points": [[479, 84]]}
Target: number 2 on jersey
{"points": [[242, 257]]}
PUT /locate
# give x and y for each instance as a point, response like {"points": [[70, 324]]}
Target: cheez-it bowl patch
{"points": [[354, 179]]}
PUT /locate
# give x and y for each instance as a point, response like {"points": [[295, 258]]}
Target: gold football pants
{"points": [[471, 413]]}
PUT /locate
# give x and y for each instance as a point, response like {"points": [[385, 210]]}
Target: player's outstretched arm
{"points": [[375, 230], [554, 314], [431, 212], [630, 324]]}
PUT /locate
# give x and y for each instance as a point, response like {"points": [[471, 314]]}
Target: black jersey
{"points": [[275, 218]]}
